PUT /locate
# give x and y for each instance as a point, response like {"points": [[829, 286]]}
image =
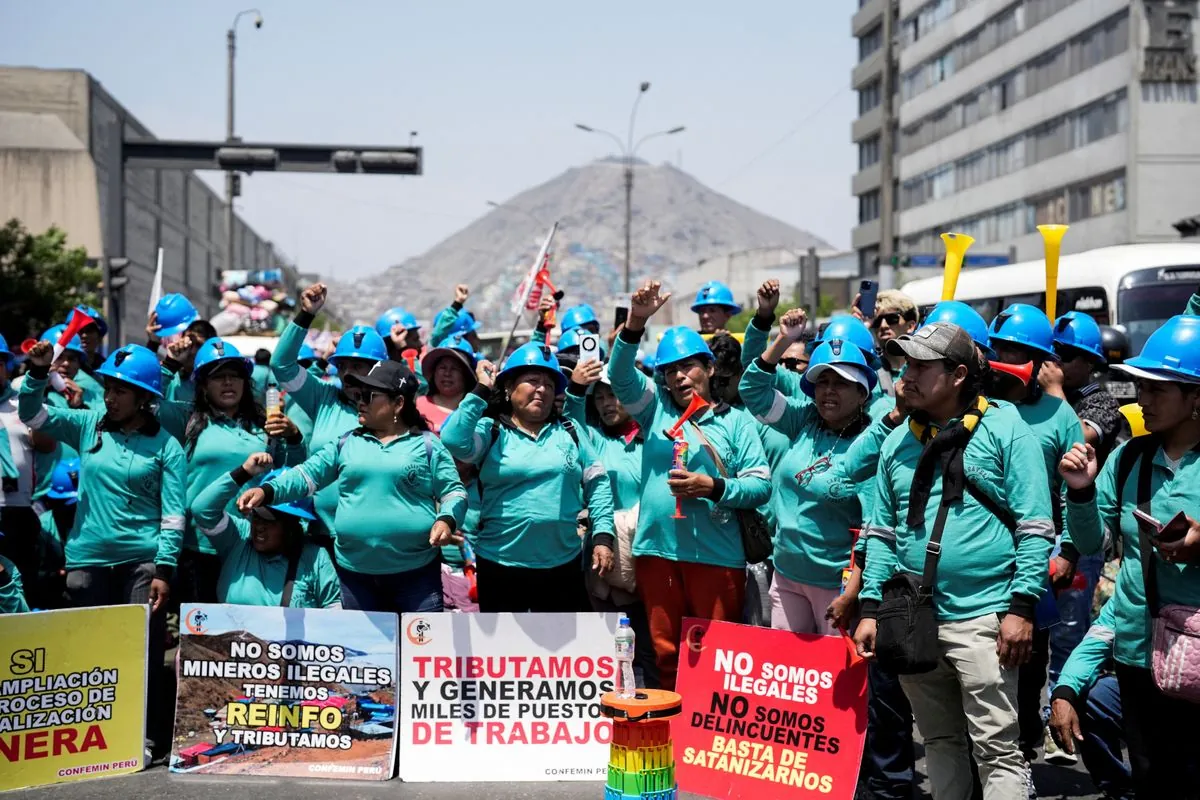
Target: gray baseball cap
{"points": [[937, 341]]}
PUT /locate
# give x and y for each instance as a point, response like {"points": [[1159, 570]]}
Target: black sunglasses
{"points": [[364, 396], [892, 318], [794, 364]]}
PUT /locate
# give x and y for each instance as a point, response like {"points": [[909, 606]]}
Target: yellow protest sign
{"points": [[72, 694]]}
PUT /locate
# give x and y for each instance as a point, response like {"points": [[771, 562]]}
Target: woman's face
{"points": [[838, 400], [449, 377], [67, 364], [1166, 404], [225, 387], [611, 412], [121, 401], [688, 377], [267, 535], [532, 395], [353, 366], [377, 411]]}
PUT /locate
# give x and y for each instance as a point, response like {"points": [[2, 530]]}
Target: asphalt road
{"points": [[1053, 783]]}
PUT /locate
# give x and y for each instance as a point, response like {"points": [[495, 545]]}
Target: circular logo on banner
{"points": [[418, 631], [194, 621]]}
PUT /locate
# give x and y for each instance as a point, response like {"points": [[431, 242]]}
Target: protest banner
{"points": [[768, 713], [72, 694], [286, 692], [505, 697]]}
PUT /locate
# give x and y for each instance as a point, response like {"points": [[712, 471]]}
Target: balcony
{"points": [[866, 179], [866, 17], [867, 70], [865, 235], [867, 125]]}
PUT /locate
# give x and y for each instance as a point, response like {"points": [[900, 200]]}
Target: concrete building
{"points": [[61, 139], [867, 80], [1014, 113]]}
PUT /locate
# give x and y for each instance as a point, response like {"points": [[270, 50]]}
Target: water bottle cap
{"points": [[624, 621]]}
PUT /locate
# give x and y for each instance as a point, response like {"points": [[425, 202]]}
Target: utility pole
{"points": [[628, 215], [887, 213], [232, 181]]}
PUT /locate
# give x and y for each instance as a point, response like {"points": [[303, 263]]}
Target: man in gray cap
{"points": [[982, 549]]}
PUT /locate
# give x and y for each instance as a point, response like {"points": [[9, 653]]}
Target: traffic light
{"points": [[901, 260], [117, 279], [247, 159]]}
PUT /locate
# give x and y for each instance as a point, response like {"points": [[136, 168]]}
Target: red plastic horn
{"points": [[1022, 372], [410, 356], [27, 345], [698, 404], [75, 324]]}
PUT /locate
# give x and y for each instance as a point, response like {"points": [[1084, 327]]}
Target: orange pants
{"points": [[672, 590]]}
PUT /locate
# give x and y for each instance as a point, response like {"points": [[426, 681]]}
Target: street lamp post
{"points": [[628, 151], [231, 175]]}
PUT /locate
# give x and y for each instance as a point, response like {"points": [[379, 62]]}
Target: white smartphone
{"points": [[589, 347]]}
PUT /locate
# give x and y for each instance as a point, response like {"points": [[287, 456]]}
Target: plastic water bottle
{"points": [[626, 686], [274, 403]]}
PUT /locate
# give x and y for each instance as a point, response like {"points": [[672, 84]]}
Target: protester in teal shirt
{"points": [[12, 593], [399, 497], [536, 476], [1168, 376], [257, 554], [817, 509], [959, 455], [91, 396], [694, 566], [331, 411]]}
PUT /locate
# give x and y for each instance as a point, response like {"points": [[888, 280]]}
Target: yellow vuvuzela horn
{"points": [[1052, 235], [956, 250]]}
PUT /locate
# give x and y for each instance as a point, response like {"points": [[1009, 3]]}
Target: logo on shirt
{"points": [[411, 476], [569, 455]]}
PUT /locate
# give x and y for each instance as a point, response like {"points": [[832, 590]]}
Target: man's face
{"points": [[928, 384], [714, 318], [1076, 367], [795, 358], [890, 325]]}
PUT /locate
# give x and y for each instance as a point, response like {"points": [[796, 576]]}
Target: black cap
{"points": [[389, 376]]}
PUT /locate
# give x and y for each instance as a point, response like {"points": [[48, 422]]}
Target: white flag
{"points": [[522, 293], [156, 287]]}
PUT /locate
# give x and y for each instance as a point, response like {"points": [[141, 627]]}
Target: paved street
{"points": [[1054, 783]]}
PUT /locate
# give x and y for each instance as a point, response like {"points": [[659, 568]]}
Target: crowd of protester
{"points": [[945, 491]]}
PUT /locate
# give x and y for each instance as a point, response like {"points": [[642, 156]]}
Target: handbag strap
{"points": [[712, 451], [289, 583], [933, 549]]}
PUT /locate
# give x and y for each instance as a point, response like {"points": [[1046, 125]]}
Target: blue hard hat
{"points": [[5, 353], [64, 480], [302, 508], [175, 312], [534, 356], [360, 342], [96, 316], [844, 358], [75, 345], [678, 344], [464, 324], [1024, 325], [135, 365], [214, 352], [853, 330], [956, 312], [649, 361], [455, 347], [715, 293], [393, 317], [576, 316], [1078, 330], [569, 340], [306, 353], [1171, 353]]}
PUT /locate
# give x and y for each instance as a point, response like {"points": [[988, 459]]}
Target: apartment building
{"points": [[1014, 113]]}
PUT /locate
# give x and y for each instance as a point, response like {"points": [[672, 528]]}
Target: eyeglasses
{"points": [[891, 318], [822, 464], [794, 364]]}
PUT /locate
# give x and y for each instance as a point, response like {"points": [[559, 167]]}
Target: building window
{"points": [[868, 152], [868, 97], [868, 206], [1092, 47], [870, 42]]}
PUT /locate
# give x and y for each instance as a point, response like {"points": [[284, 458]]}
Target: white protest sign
{"points": [[505, 697]]}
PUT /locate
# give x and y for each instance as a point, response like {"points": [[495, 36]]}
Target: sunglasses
{"points": [[794, 364], [892, 318], [1066, 353], [363, 396]]}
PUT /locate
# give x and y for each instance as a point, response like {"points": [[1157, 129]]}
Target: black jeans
{"points": [[889, 760], [1031, 680], [196, 578], [129, 584], [1162, 735], [22, 530], [522, 589]]}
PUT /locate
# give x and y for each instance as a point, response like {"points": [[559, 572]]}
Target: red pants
{"points": [[672, 590]]}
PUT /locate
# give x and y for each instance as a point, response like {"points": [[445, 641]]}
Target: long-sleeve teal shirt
{"points": [[296, 413], [250, 578], [132, 490], [43, 463], [815, 507], [984, 567], [452, 554], [620, 455], [12, 590], [389, 496], [1086, 662], [442, 324], [710, 532], [324, 403], [533, 487], [1091, 512]]}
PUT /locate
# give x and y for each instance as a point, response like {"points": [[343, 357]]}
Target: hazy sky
{"points": [[493, 88]]}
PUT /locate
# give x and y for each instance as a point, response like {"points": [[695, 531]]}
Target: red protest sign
{"points": [[768, 713]]}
